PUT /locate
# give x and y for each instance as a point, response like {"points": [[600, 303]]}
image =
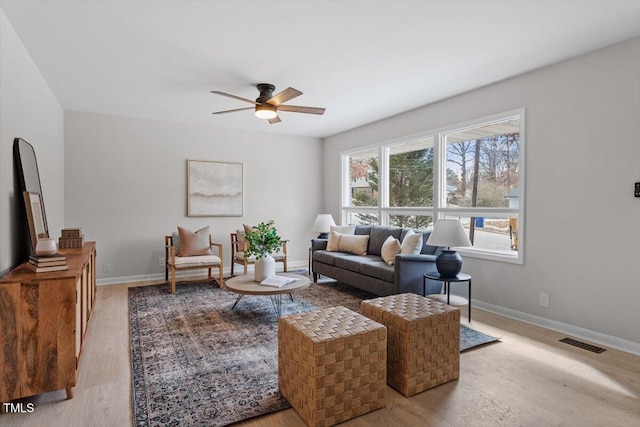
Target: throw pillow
{"points": [[352, 244], [412, 243], [390, 248], [333, 245], [344, 229], [194, 243], [241, 239]]}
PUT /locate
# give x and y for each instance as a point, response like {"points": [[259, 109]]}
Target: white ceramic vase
{"points": [[46, 247], [264, 267]]}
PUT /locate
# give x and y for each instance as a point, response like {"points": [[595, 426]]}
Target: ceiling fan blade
{"points": [[232, 111], [284, 96], [234, 97], [299, 109], [276, 119]]}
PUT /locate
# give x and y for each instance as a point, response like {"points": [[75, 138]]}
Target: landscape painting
{"points": [[214, 188]]}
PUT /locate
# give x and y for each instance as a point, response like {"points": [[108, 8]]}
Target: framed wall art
{"points": [[214, 188], [35, 218]]}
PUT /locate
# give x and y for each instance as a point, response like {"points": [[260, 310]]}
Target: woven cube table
{"points": [[423, 339], [332, 364]]}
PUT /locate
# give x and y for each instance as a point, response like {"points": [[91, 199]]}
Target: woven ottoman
{"points": [[332, 364], [423, 339]]}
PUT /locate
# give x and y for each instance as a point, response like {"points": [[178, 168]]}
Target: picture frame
{"points": [[214, 188], [35, 218]]}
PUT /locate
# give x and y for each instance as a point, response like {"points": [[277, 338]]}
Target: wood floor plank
{"points": [[527, 379]]}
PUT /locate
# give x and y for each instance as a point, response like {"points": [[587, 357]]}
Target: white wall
{"points": [[29, 110], [582, 221], [125, 185]]}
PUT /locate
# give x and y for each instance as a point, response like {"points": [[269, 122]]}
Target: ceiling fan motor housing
{"points": [[266, 92]]}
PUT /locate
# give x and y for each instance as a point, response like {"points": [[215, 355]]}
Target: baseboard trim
{"points": [[575, 331], [295, 265]]}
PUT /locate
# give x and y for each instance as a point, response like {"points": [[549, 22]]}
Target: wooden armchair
{"points": [[175, 262], [239, 247]]}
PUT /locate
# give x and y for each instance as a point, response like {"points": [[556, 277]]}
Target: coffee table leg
{"points": [[237, 300], [276, 300]]}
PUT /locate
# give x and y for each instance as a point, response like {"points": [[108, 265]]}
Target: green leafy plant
{"points": [[263, 239]]}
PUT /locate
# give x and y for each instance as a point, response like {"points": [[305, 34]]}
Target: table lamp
{"points": [[448, 232], [323, 225]]}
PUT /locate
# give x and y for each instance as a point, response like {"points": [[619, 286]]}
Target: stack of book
{"points": [[40, 263], [71, 238]]}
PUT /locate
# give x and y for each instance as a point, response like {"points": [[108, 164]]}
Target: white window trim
{"points": [[439, 209]]}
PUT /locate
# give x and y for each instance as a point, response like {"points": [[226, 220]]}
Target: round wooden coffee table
{"points": [[245, 285]]}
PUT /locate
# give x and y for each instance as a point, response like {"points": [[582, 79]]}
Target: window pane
{"points": [[416, 222], [411, 174], [492, 234], [363, 179], [483, 165], [362, 218]]}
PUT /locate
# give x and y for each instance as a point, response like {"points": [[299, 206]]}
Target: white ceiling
{"points": [[361, 60]]}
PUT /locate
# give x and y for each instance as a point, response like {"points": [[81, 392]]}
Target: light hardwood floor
{"points": [[528, 379]]}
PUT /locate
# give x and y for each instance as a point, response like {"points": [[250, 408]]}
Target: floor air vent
{"points": [[583, 345]]}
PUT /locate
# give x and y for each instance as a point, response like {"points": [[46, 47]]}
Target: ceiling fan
{"points": [[267, 104]]}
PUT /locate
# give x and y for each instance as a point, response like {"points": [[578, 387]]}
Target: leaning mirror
{"points": [[29, 180]]}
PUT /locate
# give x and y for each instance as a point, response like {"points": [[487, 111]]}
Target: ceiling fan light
{"points": [[266, 111]]}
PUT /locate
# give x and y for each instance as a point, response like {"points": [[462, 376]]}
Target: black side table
{"points": [[461, 277]]}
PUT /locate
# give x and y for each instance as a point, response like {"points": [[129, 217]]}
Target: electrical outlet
{"points": [[544, 300], [160, 262], [106, 268]]}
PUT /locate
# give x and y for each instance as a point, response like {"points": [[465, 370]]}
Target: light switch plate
{"points": [[637, 193]]}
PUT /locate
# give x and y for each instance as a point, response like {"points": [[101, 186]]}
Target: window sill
{"points": [[508, 257]]}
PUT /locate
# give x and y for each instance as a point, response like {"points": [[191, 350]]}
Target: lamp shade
{"points": [[323, 223], [448, 232]]}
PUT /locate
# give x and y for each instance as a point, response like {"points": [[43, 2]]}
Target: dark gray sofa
{"points": [[369, 272]]}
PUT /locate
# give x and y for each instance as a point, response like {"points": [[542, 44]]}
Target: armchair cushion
{"points": [[194, 243], [252, 258], [194, 261]]}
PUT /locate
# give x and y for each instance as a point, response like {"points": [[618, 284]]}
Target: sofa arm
{"points": [[319, 244], [409, 272]]}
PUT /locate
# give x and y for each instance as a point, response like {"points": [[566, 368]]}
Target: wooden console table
{"points": [[43, 325]]}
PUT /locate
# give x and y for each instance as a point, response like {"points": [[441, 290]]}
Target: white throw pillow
{"points": [[412, 243], [344, 229], [390, 248]]}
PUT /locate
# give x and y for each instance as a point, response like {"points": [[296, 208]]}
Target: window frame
{"points": [[439, 209]]}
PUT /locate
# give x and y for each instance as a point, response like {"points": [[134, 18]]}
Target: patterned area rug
{"points": [[196, 362]]}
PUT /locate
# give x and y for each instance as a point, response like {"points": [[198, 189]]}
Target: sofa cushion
{"points": [[379, 270], [361, 230], [378, 235], [411, 243], [354, 262], [325, 257], [352, 244], [390, 248]]}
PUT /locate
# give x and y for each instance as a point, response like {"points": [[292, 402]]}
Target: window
{"points": [[360, 192], [482, 175], [472, 172]]}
